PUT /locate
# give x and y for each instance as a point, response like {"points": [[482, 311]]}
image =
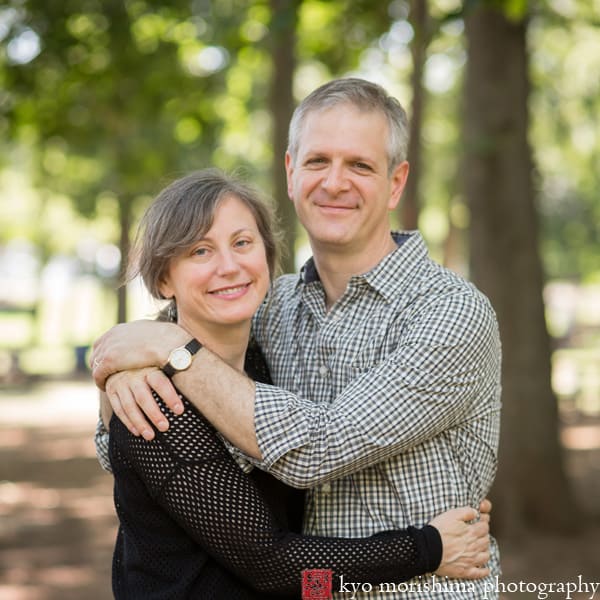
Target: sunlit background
{"points": [[102, 103], [60, 255]]}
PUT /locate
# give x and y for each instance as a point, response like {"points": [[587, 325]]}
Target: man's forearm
{"points": [[134, 346], [224, 396]]}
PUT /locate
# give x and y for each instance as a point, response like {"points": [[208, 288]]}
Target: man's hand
{"points": [[134, 346], [465, 543], [130, 396]]}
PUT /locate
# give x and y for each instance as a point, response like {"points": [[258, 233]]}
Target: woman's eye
{"points": [[243, 242], [200, 251]]}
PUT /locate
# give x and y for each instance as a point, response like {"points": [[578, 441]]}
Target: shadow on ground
{"points": [[57, 524]]}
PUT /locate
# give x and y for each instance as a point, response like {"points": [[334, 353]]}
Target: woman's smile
{"points": [[223, 278], [232, 292]]}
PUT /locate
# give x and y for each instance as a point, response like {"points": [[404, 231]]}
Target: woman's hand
{"points": [[465, 540], [130, 396]]}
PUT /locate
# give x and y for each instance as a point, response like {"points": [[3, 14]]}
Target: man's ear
{"points": [[398, 183], [289, 170]]}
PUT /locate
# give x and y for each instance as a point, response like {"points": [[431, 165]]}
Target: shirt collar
{"points": [[390, 273]]}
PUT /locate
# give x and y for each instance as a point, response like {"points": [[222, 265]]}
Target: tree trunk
{"points": [[419, 19], [125, 208], [283, 34], [531, 487]]}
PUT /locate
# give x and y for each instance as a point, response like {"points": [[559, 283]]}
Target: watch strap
{"points": [[192, 347]]}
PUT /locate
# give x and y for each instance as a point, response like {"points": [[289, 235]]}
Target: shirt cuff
{"points": [[280, 421], [433, 548], [244, 462]]}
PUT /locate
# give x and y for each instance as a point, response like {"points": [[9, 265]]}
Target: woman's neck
{"points": [[229, 342]]}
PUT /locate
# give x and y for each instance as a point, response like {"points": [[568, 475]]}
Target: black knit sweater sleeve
{"points": [[191, 475]]}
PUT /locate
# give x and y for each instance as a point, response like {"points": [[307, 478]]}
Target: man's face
{"points": [[339, 180]]}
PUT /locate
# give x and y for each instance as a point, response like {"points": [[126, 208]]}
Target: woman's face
{"points": [[224, 277]]}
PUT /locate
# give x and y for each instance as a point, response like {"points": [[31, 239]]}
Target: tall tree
{"points": [[421, 23], [284, 19], [119, 91], [531, 486]]}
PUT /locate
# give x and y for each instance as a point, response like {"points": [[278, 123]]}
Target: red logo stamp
{"points": [[317, 584]]}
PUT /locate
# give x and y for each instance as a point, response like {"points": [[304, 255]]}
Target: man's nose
{"points": [[335, 180]]}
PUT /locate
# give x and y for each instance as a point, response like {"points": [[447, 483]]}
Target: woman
{"points": [[192, 523]]}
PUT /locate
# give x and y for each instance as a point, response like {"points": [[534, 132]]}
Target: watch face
{"points": [[180, 359]]}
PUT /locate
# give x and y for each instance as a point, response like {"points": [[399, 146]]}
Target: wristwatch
{"points": [[181, 358]]}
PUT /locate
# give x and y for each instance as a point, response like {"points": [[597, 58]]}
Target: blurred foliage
{"points": [[110, 98], [101, 102], [118, 96], [565, 56]]}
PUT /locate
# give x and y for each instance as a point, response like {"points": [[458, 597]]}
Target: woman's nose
{"points": [[227, 263]]}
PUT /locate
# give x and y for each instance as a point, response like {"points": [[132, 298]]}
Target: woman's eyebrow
{"points": [[208, 238]]}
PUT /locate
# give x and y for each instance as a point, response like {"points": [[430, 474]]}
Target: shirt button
{"points": [[323, 371], [326, 488]]}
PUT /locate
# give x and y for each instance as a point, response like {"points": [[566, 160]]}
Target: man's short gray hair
{"points": [[365, 96]]}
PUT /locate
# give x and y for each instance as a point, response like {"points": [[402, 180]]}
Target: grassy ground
{"points": [[57, 525]]}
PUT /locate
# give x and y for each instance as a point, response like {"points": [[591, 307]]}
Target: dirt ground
{"points": [[57, 524]]}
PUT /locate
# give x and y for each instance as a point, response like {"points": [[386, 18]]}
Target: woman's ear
{"points": [[165, 289]]}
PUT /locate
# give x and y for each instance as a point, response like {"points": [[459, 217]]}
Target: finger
{"points": [[481, 528], [482, 545], [478, 540], [466, 513], [135, 415], [95, 350], [485, 507], [117, 407], [92, 359], [144, 399], [164, 387], [101, 371], [475, 573]]}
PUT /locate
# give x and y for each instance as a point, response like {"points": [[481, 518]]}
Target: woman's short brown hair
{"points": [[183, 212]]}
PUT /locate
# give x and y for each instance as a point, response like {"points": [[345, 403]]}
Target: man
{"points": [[387, 365]]}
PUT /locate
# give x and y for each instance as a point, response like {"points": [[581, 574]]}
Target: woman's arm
{"points": [[115, 384], [193, 477]]}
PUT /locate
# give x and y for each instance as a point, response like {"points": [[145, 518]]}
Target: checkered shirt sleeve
{"points": [[101, 440], [442, 373]]}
